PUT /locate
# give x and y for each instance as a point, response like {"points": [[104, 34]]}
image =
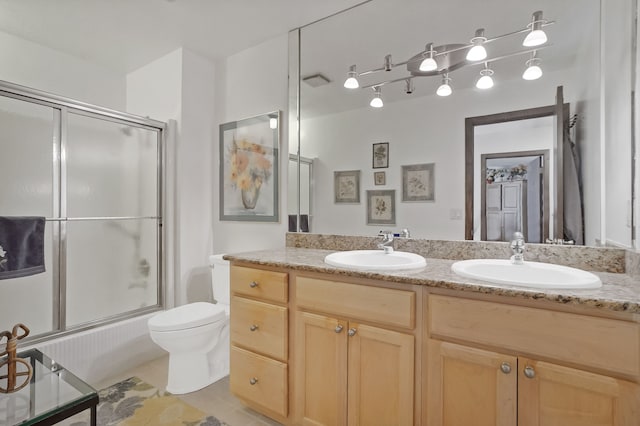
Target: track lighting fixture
{"points": [[446, 58], [429, 63], [485, 81], [352, 80], [477, 52], [533, 71], [376, 102], [537, 36], [445, 88]]}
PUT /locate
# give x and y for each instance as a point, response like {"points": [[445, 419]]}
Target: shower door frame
{"points": [[62, 106]]}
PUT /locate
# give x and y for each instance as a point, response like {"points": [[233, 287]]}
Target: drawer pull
{"points": [[505, 367], [253, 381], [339, 328], [253, 284], [352, 332], [529, 372], [253, 327]]}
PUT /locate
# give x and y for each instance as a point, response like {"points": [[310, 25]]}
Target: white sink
{"points": [[376, 260], [527, 274]]}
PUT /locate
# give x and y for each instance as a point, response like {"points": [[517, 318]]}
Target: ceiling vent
{"points": [[316, 80]]}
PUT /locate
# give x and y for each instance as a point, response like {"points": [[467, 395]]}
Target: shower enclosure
{"points": [[96, 176]]}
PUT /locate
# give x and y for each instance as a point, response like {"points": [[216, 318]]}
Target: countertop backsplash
{"points": [[598, 259]]}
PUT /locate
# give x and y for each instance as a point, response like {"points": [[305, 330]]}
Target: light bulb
{"points": [[376, 102], [444, 89], [533, 72], [485, 82], [273, 123], [535, 38], [428, 64], [352, 81], [477, 52]]}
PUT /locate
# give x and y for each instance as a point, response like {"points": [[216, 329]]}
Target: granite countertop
{"points": [[620, 292]]}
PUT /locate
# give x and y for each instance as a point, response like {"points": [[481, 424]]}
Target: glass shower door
{"points": [[28, 143], [112, 231]]}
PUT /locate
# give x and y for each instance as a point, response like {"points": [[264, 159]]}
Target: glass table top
{"points": [[52, 390]]}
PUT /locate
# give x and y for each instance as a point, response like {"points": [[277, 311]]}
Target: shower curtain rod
{"points": [[71, 219]]}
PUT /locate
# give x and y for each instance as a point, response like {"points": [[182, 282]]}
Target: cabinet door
{"points": [[551, 395], [321, 370], [468, 386], [381, 376]]}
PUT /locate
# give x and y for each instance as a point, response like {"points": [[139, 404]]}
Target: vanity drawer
{"points": [[259, 326], [600, 343], [267, 285], [379, 305], [269, 378]]}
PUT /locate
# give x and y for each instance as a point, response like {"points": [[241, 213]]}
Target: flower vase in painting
{"points": [[250, 168]]}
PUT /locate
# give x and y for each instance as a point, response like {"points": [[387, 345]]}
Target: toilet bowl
{"points": [[196, 336]]}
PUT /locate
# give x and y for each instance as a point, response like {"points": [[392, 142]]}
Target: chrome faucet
{"points": [[405, 233], [387, 241], [518, 248]]}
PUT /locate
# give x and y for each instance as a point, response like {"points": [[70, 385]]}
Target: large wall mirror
{"points": [[338, 129]]}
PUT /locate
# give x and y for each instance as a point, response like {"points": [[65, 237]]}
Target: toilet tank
{"points": [[220, 282]]}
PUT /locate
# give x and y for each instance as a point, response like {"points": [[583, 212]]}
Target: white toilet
{"points": [[197, 336]]}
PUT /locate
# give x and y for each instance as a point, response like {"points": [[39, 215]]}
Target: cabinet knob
{"points": [[529, 372], [253, 327], [339, 328], [253, 284], [505, 367], [352, 332], [253, 381]]}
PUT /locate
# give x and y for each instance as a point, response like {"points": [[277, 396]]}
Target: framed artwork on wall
{"points": [[381, 155], [249, 169], [381, 207], [418, 182], [379, 178], [346, 186]]}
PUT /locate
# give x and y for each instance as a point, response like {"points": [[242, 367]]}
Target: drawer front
{"points": [[380, 305], [601, 343], [259, 326], [259, 379], [267, 285]]}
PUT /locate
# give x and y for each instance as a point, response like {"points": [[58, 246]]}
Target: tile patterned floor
{"points": [[215, 399]]}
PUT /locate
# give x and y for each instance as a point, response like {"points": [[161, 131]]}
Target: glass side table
{"points": [[53, 394]]}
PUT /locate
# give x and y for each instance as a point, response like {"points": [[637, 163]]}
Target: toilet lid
{"points": [[187, 316]]}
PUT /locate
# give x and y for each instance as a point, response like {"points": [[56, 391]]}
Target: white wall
{"points": [[251, 83], [420, 130], [33, 65]]}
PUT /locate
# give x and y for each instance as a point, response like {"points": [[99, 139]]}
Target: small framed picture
{"points": [[418, 182], [381, 155], [381, 207], [346, 186], [379, 178]]}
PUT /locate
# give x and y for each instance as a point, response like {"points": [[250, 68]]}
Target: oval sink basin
{"points": [[376, 260], [528, 274]]}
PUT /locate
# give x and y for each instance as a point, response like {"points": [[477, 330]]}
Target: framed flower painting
{"points": [[381, 207], [249, 169]]}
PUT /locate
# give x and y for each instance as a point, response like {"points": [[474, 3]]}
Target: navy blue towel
{"points": [[21, 246]]}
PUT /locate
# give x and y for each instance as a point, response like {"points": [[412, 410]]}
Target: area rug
{"points": [[133, 402]]}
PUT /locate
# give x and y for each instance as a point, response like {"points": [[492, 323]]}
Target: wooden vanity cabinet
{"points": [[349, 372], [469, 385], [259, 340]]}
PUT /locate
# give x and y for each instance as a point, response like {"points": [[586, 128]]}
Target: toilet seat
{"points": [[187, 316]]}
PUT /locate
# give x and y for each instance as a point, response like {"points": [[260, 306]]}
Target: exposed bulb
{"points": [[535, 38], [428, 64], [477, 53], [376, 102], [444, 89], [352, 81], [533, 72], [485, 82]]}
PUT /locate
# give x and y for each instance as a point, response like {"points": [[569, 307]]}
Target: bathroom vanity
{"points": [[314, 344]]}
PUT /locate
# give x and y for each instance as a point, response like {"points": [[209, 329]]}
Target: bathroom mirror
{"points": [[338, 128]]}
